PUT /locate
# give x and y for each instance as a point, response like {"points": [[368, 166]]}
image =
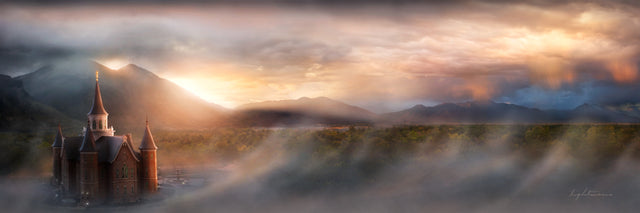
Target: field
{"points": [[447, 167], [592, 144]]}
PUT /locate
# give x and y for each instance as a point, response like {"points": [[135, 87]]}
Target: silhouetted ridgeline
{"points": [[62, 93], [129, 94], [491, 112]]}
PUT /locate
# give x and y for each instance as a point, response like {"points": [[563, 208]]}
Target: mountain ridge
{"points": [[302, 111], [492, 112], [131, 93], [20, 112]]}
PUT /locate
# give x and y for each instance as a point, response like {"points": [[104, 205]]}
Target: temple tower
{"points": [[98, 116], [57, 158], [88, 166], [149, 169]]}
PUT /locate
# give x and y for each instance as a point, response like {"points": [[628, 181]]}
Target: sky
{"points": [[380, 55]]}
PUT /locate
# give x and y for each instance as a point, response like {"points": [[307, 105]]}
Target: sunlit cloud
{"points": [[369, 56]]}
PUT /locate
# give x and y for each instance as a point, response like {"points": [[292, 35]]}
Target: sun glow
{"points": [[204, 88], [113, 63]]}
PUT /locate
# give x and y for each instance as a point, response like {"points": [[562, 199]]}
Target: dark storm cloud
{"points": [[19, 59], [593, 85]]}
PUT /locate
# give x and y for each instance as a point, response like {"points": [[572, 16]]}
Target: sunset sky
{"points": [[378, 55]]}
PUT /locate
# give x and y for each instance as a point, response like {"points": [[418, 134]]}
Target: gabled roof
{"points": [[97, 107], [59, 138], [147, 140], [88, 142], [109, 147]]}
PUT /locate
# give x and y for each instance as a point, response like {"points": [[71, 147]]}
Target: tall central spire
{"points": [[97, 107]]}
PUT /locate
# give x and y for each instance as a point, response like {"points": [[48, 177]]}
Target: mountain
{"points": [[129, 94], [467, 112], [63, 92], [491, 112], [303, 111], [20, 112], [587, 113], [632, 109]]}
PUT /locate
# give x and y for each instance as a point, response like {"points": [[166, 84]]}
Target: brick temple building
{"points": [[101, 167]]}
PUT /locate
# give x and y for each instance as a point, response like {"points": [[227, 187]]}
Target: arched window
{"points": [[125, 171], [94, 124], [100, 124]]}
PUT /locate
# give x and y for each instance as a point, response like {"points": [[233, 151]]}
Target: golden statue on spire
{"points": [[96, 75]]}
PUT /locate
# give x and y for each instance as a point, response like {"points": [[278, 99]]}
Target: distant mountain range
{"points": [[63, 93], [491, 112], [306, 111]]}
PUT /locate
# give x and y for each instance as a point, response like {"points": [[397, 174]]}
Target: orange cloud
{"points": [[623, 71], [550, 72]]}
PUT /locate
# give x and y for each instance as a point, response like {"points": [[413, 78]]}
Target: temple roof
{"points": [[59, 138], [110, 146], [107, 147], [97, 108]]}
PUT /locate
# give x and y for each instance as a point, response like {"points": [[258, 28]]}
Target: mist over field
{"points": [[459, 168]]}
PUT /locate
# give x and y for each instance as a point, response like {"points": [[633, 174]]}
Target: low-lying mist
{"points": [[450, 168]]}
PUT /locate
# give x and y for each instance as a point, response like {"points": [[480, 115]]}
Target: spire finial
{"points": [[147, 119], [96, 75]]}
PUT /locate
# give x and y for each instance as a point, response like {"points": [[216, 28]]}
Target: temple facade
{"points": [[101, 167]]}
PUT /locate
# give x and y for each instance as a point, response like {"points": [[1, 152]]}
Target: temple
{"points": [[100, 167]]}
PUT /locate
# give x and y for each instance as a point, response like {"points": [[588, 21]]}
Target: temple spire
{"points": [[88, 142], [59, 138], [97, 107], [147, 139]]}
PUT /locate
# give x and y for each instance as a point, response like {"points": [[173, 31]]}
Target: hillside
{"points": [[20, 112], [129, 94]]}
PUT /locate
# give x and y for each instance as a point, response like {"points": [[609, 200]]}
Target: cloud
{"points": [[418, 52]]}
